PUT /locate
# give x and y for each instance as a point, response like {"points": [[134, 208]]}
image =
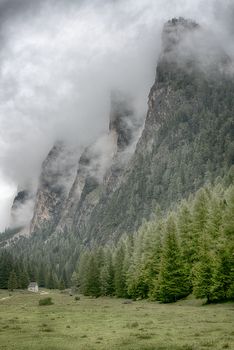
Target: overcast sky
{"points": [[60, 59]]}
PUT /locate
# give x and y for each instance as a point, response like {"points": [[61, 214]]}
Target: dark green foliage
{"points": [[223, 274], [196, 254], [172, 282], [120, 272], [23, 280], [92, 287], [61, 284], [45, 301], [12, 281], [42, 276], [51, 282], [6, 266], [107, 275], [202, 272], [13, 270]]}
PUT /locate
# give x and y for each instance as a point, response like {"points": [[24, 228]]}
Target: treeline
{"points": [[17, 273], [13, 272], [191, 250]]}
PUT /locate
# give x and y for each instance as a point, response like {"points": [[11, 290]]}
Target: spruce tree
{"points": [[92, 287], [199, 219], [172, 282], [74, 280], [202, 273], [6, 266], [223, 273], [185, 226], [82, 271], [50, 281], [61, 284], [42, 276], [120, 272], [228, 217], [24, 279], [107, 275], [12, 281]]}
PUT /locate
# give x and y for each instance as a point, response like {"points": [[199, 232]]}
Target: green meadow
{"points": [[111, 323]]}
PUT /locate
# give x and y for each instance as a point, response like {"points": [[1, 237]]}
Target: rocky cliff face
{"points": [[184, 143], [99, 168], [58, 172]]}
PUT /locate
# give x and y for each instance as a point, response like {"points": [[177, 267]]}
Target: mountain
{"points": [[119, 180], [187, 138]]}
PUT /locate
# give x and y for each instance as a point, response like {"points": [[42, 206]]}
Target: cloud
{"points": [[59, 60]]}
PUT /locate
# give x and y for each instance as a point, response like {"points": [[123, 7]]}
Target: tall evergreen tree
{"points": [[173, 281], [6, 266], [24, 279], [120, 272], [223, 273], [202, 273], [107, 275], [93, 277], [199, 219], [12, 281]]}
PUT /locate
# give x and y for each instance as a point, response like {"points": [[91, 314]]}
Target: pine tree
{"points": [[120, 272], [215, 215], [137, 288], [199, 219], [172, 282], [92, 286], [24, 279], [152, 249], [50, 282], [74, 279], [42, 276], [107, 275], [223, 273], [202, 273], [228, 217], [61, 284], [6, 266], [82, 271], [12, 281], [65, 278], [184, 224]]}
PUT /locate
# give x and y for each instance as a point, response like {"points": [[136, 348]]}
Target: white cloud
{"points": [[7, 191]]}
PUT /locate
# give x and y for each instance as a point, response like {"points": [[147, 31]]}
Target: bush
{"points": [[45, 301], [77, 298]]}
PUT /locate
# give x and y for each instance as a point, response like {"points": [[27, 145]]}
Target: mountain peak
{"points": [[174, 31]]}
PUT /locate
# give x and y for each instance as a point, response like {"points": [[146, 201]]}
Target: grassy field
{"points": [[110, 324]]}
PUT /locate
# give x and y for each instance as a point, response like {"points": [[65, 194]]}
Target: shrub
{"points": [[45, 301], [77, 298]]}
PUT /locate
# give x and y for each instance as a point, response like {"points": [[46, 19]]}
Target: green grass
{"points": [[105, 323]]}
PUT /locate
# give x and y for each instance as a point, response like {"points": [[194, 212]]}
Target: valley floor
{"points": [[106, 323]]}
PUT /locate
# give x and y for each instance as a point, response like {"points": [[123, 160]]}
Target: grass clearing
{"points": [[109, 323]]}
